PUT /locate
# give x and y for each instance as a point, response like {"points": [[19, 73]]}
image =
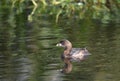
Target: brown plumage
{"points": [[71, 54]]}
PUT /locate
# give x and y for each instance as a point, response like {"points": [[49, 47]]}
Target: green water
{"points": [[28, 51]]}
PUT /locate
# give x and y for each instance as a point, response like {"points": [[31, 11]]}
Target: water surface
{"points": [[28, 51]]}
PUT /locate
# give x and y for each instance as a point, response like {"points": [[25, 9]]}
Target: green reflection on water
{"points": [[28, 52]]}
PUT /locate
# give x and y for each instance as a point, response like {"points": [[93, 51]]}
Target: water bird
{"points": [[71, 54]]}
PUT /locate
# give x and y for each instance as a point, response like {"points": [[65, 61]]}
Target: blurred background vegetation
{"points": [[105, 10], [30, 29]]}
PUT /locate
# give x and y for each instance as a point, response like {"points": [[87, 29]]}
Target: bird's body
{"points": [[71, 54]]}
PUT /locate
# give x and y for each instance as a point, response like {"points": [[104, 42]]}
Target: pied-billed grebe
{"points": [[71, 54]]}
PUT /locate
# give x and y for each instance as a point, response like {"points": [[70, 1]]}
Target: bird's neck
{"points": [[67, 50]]}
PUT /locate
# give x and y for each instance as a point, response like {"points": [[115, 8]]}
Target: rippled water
{"points": [[28, 51]]}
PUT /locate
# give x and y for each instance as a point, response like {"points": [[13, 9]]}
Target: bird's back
{"points": [[78, 54]]}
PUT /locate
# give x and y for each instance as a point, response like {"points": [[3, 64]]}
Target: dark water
{"points": [[28, 51]]}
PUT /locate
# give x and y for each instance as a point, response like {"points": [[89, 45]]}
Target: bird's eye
{"points": [[62, 42]]}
